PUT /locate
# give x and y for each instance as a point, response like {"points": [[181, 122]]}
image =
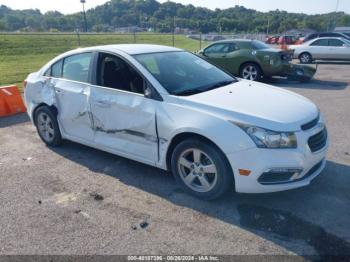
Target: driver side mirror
{"points": [[148, 91], [151, 93], [202, 52]]}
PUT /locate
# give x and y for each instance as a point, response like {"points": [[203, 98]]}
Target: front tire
{"points": [[47, 126], [202, 169], [305, 58], [250, 71]]}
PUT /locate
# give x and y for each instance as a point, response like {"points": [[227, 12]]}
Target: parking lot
{"points": [[78, 200]]}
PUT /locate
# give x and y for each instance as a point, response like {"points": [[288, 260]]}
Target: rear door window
{"points": [[335, 42], [221, 48], [321, 42], [76, 67], [56, 69]]}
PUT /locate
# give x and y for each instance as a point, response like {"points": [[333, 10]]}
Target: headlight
{"points": [[270, 139]]}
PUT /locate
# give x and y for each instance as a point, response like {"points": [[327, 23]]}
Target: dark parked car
{"points": [[326, 34]]}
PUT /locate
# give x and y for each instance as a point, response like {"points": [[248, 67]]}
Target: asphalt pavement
{"points": [[78, 200]]}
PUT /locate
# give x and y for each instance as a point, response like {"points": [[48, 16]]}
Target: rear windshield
{"points": [[259, 45]]}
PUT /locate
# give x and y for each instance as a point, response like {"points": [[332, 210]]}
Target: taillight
{"points": [[24, 84]]}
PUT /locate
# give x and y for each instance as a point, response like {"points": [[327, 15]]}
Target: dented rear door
{"points": [[73, 109], [72, 89], [125, 122]]}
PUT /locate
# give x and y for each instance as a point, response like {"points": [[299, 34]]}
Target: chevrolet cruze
{"points": [[168, 108]]}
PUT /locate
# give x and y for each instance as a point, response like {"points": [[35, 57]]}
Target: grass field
{"points": [[21, 54]]}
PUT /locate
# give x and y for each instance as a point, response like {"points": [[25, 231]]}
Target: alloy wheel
{"points": [[45, 127], [305, 58], [250, 72], [197, 170]]}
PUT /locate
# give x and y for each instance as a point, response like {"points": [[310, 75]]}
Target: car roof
{"points": [[131, 49], [328, 37], [234, 40]]}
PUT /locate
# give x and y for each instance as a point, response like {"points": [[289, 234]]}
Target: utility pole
{"points": [[332, 21], [268, 25], [335, 16], [84, 13], [174, 27]]}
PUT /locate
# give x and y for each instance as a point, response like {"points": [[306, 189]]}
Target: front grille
{"points": [[318, 141], [310, 124]]}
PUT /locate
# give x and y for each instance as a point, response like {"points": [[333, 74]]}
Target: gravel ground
{"points": [[78, 200]]}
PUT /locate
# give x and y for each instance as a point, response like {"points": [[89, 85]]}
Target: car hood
{"points": [[256, 104]]}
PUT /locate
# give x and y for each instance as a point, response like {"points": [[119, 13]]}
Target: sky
{"points": [[298, 6]]}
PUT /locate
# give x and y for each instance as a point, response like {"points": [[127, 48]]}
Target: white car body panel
{"points": [[259, 104], [142, 129], [125, 122]]}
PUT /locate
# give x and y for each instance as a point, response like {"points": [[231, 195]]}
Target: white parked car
{"points": [[325, 48], [168, 108]]}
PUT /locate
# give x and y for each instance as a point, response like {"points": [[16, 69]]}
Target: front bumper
{"points": [[258, 160]]}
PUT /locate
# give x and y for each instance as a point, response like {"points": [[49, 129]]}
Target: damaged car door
{"points": [[70, 80], [123, 118]]}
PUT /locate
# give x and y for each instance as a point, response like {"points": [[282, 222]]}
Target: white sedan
{"points": [[325, 48], [168, 108]]}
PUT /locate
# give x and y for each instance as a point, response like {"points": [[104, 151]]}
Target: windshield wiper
{"points": [[188, 92], [219, 84], [201, 90]]}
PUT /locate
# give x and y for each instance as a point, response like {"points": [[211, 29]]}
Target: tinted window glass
{"points": [[220, 48], [335, 42], [48, 72], [56, 69], [114, 72], [76, 67], [187, 73], [232, 47], [321, 42], [260, 45]]}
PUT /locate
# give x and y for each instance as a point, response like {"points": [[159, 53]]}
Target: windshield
{"points": [[183, 73], [259, 45]]}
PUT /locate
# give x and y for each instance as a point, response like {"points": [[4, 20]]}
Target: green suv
{"points": [[252, 60]]}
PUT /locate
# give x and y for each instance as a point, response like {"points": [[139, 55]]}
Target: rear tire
{"points": [[201, 169], [305, 58], [250, 71], [47, 126]]}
